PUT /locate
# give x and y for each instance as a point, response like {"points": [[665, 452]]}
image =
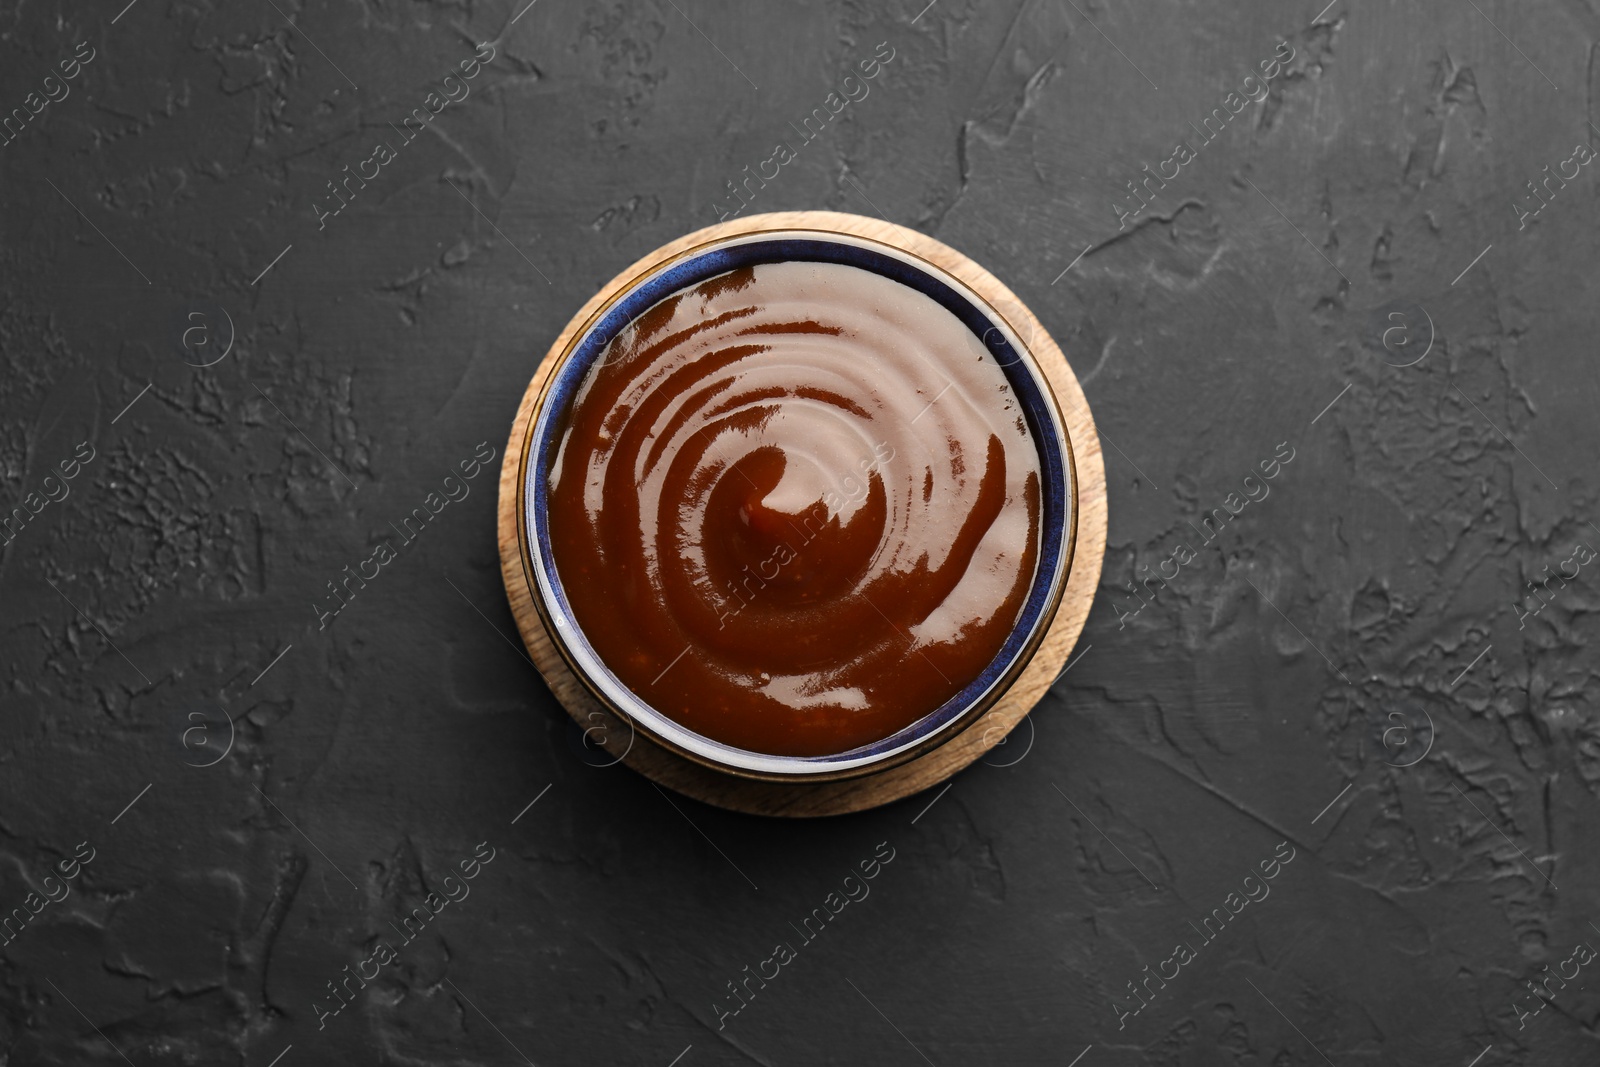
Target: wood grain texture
{"points": [[825, 798]]}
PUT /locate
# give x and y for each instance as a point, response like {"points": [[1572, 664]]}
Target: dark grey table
{"points": [[273, 271]]}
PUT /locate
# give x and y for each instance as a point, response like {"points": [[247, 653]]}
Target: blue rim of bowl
{"points": [[1057, 521]]}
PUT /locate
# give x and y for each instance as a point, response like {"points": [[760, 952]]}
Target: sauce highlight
{"points": [[795, 507]]}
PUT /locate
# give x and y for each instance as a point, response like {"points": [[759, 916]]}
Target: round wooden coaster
{"points": [[823, 798]]}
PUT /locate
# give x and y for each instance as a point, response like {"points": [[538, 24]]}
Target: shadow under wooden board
{"points": [[673, 771]]}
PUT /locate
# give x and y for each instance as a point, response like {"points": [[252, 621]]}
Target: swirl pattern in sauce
{"points": [[795, 508]]}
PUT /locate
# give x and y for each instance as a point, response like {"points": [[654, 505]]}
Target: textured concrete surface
{"points": [[1351, 673]]}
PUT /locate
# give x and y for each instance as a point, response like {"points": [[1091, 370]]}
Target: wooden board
{"points": [[825, 798]]}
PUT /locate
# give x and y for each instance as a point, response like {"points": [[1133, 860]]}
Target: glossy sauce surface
{"points": [[795, 507]]}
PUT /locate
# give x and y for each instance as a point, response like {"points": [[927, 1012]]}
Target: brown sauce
{"points": [[795, 507]]}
